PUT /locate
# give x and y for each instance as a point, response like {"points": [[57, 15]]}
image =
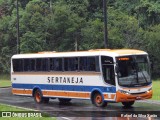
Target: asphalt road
{"points": [[82, 108]]}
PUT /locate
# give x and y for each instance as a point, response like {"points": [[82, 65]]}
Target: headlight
{"points": [[124, 92], [149, 89]]}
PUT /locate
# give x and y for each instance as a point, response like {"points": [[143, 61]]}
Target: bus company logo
{"points": [[138, 97], [77, 80]]}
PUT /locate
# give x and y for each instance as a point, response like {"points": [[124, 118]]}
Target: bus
{"points": [[100, 75]]}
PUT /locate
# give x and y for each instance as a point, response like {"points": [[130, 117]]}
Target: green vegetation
{"points": [[11, 108], [59, 25], [156, 90], [5, 83], [5, 80]]}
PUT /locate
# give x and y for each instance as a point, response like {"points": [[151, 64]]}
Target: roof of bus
{"points": [[93, 52]]}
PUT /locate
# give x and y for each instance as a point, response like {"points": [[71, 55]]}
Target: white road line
{"points": [[66, 118]]}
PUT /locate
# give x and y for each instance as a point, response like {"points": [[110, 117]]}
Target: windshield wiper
{"points": [[144, 77], [135, 67], [133, 79]]}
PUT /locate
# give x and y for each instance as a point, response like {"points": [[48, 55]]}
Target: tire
{"points": [[38, 97], [64, 100], [128, 104], [98, 100]]}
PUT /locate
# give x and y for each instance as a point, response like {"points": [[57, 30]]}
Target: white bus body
{"points": [[95, 75]]}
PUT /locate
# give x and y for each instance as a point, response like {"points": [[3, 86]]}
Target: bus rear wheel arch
{"points": [[97, 100]]}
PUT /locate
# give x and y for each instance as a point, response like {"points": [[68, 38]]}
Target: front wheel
{"points": [[98, 100], [128, 104]]}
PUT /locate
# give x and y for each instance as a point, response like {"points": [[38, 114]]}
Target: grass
{"points": [[8, 108], [14, 109], [156, 90], [5, 81]]}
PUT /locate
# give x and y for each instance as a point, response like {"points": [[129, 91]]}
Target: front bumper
{"points": [[122, 97]]}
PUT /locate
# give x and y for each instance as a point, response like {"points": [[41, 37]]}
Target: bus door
{"points": [[108, 70]]}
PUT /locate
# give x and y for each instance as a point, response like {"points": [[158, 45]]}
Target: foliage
{"points": [[152, 37], [67, 25]]}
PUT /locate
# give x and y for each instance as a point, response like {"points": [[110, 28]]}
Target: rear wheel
{"points": [[38, 98], [98, 100], [128, 104], [64, 100]]}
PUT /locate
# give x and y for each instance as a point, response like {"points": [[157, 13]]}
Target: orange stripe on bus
{"points": [[66, 94], [60, 93], [16, 91], [106, 96]]}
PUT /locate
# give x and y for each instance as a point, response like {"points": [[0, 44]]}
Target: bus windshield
{"points": [[133, 71]]}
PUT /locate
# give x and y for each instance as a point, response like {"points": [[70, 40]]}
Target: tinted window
{"points": [[38, 64], [17, 65], [42, 64], [70, 64], [32, 64], [108, 70], [89, 64], [26, 65], [55, 64], [83, 64]]}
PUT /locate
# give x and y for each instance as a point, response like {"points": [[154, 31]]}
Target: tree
{"points": [[7, 34], [153, 42], [33, 27], [65, 29]]}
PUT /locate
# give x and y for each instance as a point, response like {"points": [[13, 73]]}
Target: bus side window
{"points": [[32, 64], [66, 64], [55, 64], [38, 64], [51, 68], [97, 63], [91, 64], [17, 65], [58, 64], [26, 64], [71, 64], [44, 65], [83, 64]]}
